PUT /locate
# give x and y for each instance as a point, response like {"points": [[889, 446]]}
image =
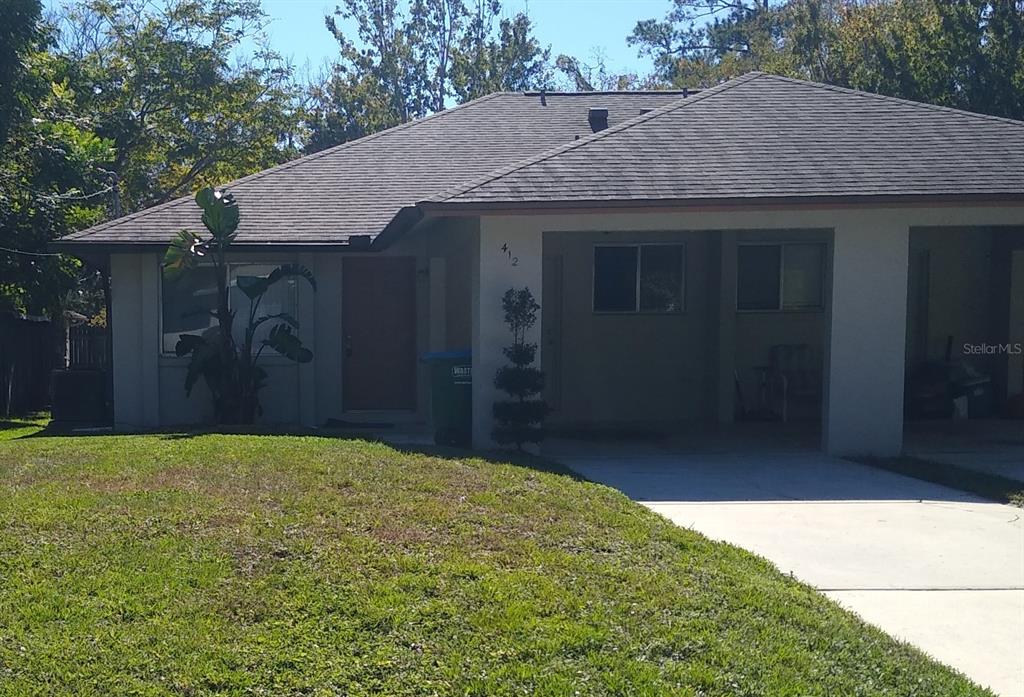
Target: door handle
{"points": [[348, 346]]}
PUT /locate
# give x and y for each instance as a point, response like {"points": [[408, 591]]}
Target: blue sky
{"points": [[576, 27]]}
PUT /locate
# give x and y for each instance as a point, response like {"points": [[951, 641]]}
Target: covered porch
{"points": [[822, 356]]}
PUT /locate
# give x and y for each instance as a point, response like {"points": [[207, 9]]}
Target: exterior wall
{"points": [[149, 385], [451, 245], [864, 394], [134, 320], [288, 398], [639, 369], [659, 370], [865, 318], [509, 255], [865, 377]]}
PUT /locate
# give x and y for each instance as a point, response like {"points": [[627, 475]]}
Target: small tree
{"points": [[230, 370], [520, 418]]}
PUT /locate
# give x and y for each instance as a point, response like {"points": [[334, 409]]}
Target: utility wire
{"points": [[29, 254]]}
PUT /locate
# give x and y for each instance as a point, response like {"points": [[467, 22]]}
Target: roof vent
{"points": [[597, 118]]}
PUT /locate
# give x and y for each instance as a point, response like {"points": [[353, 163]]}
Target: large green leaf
{"points": [[184, 252], [252, 286], [283, 316], [188, 343], [282, 340], [220, 214], [205, 352], [291, 270]]}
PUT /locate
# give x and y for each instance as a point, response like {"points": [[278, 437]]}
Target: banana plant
{"points": [[230, 369]]}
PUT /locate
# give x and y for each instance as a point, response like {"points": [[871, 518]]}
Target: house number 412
{"points": [[514, 260]]}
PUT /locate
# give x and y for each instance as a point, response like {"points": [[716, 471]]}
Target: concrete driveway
{"points": [[941, 569]]}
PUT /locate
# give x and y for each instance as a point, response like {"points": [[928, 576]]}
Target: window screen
{"points": [[758, 277], [279, 298], [615, 270], [661, 278], [802, 276], [187, 302]]}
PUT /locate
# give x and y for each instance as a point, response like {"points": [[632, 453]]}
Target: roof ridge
{"points": [[582, 142], [285, 165], [583, 93], [889, 98]]}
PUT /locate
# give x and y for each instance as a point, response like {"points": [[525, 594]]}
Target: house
{"points": [[681, 246]]}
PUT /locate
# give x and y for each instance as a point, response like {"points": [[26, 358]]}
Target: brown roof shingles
{"points": [[757, 137], [356, 188], [769, 137]]}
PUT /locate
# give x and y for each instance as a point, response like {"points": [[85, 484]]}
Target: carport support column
{"points": [[510, 254], [864, 371]]}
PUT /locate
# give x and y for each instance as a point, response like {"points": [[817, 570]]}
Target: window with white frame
{"points": [[638, 278], [189, 300], [780, 276]]}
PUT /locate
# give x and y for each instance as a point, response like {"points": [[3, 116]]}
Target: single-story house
{"points": [[685, 248]]}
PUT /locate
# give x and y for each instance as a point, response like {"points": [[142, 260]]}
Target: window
{"points": [[279, 298], [188, 301], [780, 277], [638, 278]]}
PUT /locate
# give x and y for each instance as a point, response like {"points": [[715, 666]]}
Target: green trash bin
{"points": [[451, 389]]}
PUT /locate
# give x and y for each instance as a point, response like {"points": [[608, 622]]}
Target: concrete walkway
{"points": [[936, 567]]}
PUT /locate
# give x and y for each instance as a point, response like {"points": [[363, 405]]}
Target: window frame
{"points": [[781, 307], [169, 353], [639, 265]]}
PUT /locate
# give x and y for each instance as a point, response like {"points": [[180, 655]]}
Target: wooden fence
{"points": [[27, 355], [87, 347]]}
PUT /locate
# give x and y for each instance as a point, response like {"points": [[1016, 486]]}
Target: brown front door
{"points": [[378, 306]]}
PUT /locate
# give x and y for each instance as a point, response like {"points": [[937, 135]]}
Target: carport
{"points": [[964, 394]]}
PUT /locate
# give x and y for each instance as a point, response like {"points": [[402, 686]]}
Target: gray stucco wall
{"points": [[148, 384], [635, 368], [646, 369]]}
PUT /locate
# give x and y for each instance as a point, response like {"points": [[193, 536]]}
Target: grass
{"points": [[984, 484], [21, 426], [287, 565]]}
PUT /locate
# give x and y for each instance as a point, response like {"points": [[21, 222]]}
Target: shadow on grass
{"points": [[984, 484], [22, 426], [510, 457], [504, 457]]}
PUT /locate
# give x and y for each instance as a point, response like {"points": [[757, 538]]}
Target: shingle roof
{"points": [[358, 187], [764, 136], [757, 137]]}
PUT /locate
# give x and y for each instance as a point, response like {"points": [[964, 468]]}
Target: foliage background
{"points": [[111, 106]]}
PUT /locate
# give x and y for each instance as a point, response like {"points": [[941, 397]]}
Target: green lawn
{"points": [[21, 426], [279, 565]]}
